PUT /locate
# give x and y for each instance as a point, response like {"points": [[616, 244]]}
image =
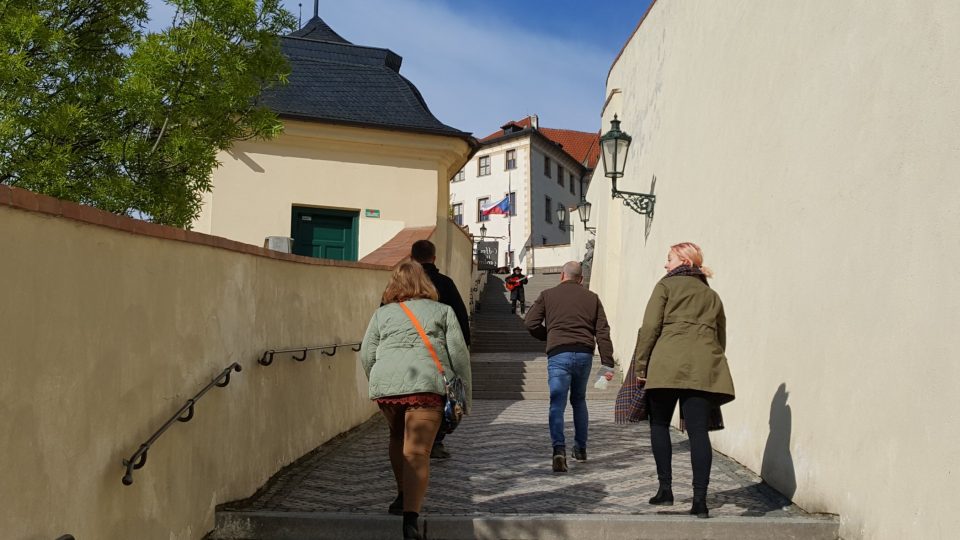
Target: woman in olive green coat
{"points": [[680, 351], [406, 383]]}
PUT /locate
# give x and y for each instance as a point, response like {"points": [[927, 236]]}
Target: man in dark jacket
{"points": [[571, 320], [514, 283], [425, 253]]}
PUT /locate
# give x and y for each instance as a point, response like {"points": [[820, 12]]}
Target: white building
{"points": [[544, 171]]}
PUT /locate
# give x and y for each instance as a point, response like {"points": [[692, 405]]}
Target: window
{"points": [[511, 160], [483, 166], [459, 177], [566, 216], [513, 203], [480, 204], [559, 175], [546, 166], [549, 210], [573, 189], [458, 214]]}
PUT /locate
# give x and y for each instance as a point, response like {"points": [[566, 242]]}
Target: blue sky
{"points": [[480, 63]]}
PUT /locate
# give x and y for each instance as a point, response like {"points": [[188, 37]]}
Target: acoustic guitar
{"points": [[513, 282]]}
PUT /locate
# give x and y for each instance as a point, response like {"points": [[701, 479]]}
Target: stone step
{"points": [[324, 526]]}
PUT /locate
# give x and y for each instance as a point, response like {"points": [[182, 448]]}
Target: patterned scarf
{"points": [[685, 270]]}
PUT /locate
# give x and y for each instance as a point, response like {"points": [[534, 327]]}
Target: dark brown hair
{"points": [[423, 251]]}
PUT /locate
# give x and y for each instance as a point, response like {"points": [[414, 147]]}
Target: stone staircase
{"points": [[508, 363]]}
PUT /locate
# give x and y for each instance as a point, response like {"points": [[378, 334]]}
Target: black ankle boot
{"points": [[664, 497], [699, 508], [396, 507], [559, 459], [411, 526]]}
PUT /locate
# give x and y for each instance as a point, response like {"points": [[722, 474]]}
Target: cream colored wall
{"points": [[811, 148], [455, 256], [106, 333], [329, 166]]}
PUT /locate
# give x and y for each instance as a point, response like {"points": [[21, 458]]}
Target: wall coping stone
{"points": [[22, 199]]}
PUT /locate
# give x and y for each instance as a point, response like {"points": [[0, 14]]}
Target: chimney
{"points": [[534, 121]]}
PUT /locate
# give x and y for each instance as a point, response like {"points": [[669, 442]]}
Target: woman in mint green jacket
{"points": [[405, 381]]}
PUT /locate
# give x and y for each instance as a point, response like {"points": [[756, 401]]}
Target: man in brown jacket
{"points": [[571, 320]]}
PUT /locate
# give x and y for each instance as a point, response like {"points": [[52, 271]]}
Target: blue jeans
{"points": [[568, 373]]}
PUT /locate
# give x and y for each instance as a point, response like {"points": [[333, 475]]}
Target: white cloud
{"points": [[474, 73]]}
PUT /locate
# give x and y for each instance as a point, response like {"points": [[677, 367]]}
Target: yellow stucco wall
{"points": [[331, 166], [811, 148], [106, 333], [455, 256]]}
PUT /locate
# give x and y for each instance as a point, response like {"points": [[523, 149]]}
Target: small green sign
{"points": [[372, 213]]}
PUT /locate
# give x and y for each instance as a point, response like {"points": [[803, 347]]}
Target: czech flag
{"points": [[502, 207]]}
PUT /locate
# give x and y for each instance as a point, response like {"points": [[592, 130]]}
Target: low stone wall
{"points": [[109, 324]]}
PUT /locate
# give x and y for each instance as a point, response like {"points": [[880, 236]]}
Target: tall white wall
{"points": [[812, 149], [544, 186]]}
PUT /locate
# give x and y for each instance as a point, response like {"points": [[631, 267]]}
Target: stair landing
{"points": [[499, 484]]}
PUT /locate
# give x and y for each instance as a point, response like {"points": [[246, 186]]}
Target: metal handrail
{"points": [[267, 358], [184, 414]]}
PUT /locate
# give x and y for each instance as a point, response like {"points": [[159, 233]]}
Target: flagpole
{"points": [[510, 215]]}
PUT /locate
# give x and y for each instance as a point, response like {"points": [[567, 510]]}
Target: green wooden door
{"points": [[325, 234]]}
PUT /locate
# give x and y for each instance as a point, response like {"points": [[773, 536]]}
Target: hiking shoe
{"points": [[559, 459], [439, 452], [580, 454], [396, 507]]}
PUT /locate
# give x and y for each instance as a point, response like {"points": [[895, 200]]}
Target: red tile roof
{"points": [[397, 248], [582, 146]]}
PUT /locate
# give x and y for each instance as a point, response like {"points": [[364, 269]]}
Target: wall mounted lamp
{"points": [[583, 208], [563, 220], [614, 145]]}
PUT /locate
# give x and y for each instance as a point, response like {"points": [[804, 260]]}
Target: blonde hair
{"points": [[409, 282], [691, 254]]}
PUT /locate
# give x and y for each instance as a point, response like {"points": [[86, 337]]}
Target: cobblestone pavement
{"points": [[501, 465]]}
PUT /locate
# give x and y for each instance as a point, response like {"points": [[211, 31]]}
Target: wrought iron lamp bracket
{"points": [[641, 203]]}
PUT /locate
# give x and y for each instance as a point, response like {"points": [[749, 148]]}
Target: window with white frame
{"points": [[481, 202], [483, 166], [458, 214], [459, 177], [511, 160]]}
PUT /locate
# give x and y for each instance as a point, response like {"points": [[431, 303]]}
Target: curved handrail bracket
{"points": [[302, 357], [189, 415], [267, 358], [325, 353], [356, 349]]}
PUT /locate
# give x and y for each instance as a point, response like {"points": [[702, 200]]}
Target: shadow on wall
{"points": [[777, 467]]}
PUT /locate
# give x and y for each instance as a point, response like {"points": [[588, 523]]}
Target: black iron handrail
{"points": [[184, 414], [267, 358]]}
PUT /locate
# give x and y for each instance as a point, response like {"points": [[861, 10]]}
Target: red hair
{"points": [[691, 254]]}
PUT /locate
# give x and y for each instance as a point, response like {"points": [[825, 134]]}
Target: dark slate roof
{"points": [[318, 30], [334, 80]]}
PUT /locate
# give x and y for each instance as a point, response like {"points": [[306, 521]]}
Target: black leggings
{"points": [[696, 407]]}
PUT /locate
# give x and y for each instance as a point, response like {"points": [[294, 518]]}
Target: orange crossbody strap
{"points": [[423, 336]]}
